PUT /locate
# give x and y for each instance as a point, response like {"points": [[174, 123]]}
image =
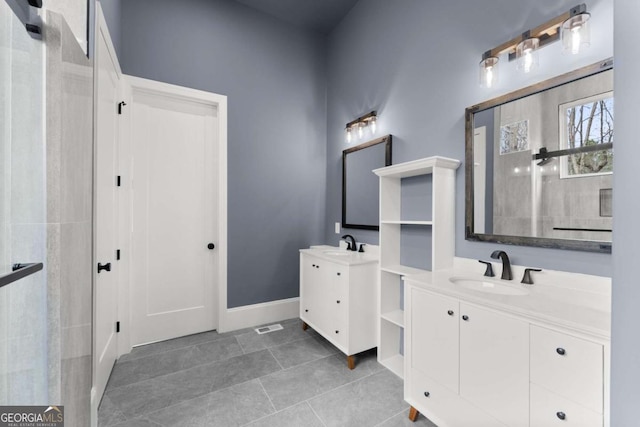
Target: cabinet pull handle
{"points": [[465, 318], [427, 394], [561, 351], [561, 415], [450, 312]]}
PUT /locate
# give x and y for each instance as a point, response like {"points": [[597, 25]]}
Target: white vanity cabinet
{"points": [[478, 354], [467, 364], [338, 300]]}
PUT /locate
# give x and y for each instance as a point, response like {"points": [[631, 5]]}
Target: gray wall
{"points": [[419, 71], [274, 76], [625, 393], [112, 10]]}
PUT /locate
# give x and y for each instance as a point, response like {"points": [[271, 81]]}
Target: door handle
{"points": [[211, 246], [106, 267]]}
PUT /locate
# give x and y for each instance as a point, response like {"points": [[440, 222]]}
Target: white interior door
{"points": [[107, 74], [175, 205]]}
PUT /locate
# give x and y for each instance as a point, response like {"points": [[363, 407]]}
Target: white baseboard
{"points": [[258, 314]]}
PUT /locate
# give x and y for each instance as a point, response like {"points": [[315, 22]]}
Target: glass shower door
{"points": [[23, 225]]}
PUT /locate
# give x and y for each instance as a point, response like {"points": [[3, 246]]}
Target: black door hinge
{"points": [[118, 255], [118, 181], [120, 105], [117, 327]]}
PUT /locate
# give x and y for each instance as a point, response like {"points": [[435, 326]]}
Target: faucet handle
{"points": [[489, 271], [362, 247], [526, 279]]}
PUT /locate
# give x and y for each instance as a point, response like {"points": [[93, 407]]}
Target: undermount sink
{"points": [[489, 286], [337, 253]]}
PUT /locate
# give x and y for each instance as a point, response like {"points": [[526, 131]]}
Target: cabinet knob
{"points": [[338, 274], [427, 394], [317, 266], [313, 265], [306, 311], [561, 351], [561, 415], [450, 312], [338, 302], [465, 318], [337, 332]]}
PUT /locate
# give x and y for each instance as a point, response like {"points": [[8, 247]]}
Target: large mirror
{"points": [[360, 186], [539, 164]]}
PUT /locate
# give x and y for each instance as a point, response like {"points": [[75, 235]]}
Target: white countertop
{"points": [[574, 301], [330, 253]]}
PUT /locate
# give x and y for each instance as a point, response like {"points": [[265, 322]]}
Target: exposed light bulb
{"points": [[528, 60], [361, 130], [348, 135], [575, 32], [575, 40], [489, 71], [489, 79], [373, 124]]}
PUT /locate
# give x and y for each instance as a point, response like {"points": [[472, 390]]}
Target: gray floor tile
{"points": [[291, 386], [366, 402], [109, 414], [295, 416], [167, 362], [402, 420], [234, 406], [203, 379], [292, 331], [138, 422], [301, 351], [141, 398], [162, 346]]}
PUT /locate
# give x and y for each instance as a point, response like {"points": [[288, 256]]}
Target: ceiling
{"points": [[316, 15]]}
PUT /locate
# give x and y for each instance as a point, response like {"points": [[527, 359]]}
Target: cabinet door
{"points": [[434, 337], [494, 364], [312, 297]]}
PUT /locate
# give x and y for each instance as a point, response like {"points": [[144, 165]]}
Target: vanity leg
{"points": [[413, 414], [304, 326], [351, 362]]}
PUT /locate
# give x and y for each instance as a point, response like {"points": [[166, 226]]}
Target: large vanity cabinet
{"points": [[338, 300], [467, 364]]}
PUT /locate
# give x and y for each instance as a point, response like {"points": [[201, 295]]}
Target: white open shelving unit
{"points": [[440, 221]]}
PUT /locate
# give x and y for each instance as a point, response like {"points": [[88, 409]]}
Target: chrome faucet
{"points": [[506, 264], [351, 246]]}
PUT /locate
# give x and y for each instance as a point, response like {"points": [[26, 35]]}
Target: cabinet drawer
{"points": [[549, 410], [570, 366], [442, 406]]}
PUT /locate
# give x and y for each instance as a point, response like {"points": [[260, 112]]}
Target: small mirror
{"points": [[539, 164], [360, 186]]}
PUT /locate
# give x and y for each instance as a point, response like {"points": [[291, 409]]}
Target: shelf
{"points": [[417, 167], [396, 317], [403, 270], [408, 222], [395, 364]]}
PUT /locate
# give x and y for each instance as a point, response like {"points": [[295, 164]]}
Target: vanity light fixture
{"points": [[571, 27], [575, 30], [358, 125]]}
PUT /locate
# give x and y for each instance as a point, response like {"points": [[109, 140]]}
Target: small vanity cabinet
{"points": [[338, 300], [467, 364]]}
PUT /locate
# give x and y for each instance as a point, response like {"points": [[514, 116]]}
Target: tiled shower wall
{"points": [[69, 88]]}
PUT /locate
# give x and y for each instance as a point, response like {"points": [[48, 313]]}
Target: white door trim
{"points": [[220, 103], [101, 32]]}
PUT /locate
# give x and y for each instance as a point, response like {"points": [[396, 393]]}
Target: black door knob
{"points": [[106, 267], [450, 312], [211, 246], [561, 415], [561, 351], [465, 318]]}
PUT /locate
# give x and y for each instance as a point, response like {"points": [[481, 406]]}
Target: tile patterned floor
{"points": [[287, 378]]}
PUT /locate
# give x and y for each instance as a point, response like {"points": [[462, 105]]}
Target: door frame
{"points": [[219, 102], [101, 31]]}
